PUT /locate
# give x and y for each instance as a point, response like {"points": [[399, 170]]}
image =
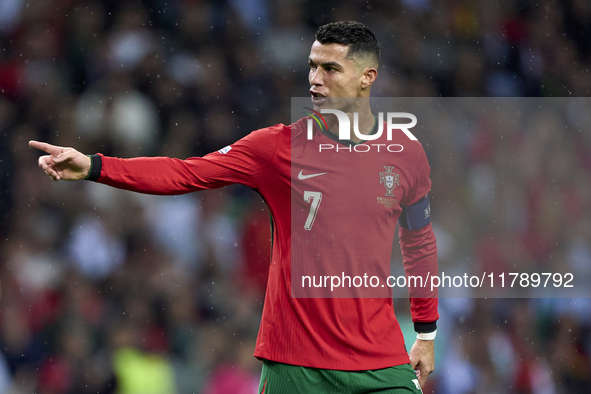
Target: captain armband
{"points": [[416, 216]]}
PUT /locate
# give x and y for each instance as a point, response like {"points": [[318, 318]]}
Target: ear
{"points": [[369, 75]]}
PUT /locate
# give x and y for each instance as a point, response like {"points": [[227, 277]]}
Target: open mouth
{"points": [[318, 98]]}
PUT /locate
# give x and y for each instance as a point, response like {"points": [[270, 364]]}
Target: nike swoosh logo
{"points": [[301, 175]]}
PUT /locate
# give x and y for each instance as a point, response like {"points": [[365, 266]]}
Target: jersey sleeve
{"points": [[421, 182], [246, 162], [419, 251]]}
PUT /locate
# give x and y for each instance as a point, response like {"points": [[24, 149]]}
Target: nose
{"points": [[315, 77]]}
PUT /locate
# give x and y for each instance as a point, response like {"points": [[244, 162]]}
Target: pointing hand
{"points": [[62, 163]]}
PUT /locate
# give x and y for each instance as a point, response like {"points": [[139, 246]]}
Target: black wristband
{"points": [[425, 327], [96, 164]]}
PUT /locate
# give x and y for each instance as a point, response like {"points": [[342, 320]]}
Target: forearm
{"points": [[419, 255], [158, 175]]}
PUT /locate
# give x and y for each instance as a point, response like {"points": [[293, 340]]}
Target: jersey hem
{"points": [[360, 366]]}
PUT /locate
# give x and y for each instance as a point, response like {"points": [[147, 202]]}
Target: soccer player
{"points": [[313, 345]]}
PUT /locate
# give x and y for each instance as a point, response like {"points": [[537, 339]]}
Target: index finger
{"points": [[44, 146]]}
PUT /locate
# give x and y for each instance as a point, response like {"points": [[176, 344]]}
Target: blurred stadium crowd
{"points": [[106, 291]]}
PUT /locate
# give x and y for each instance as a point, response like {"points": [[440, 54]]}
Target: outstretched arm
{"points": [[62, 163], [247, 161]]}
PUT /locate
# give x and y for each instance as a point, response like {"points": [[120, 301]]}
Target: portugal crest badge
{"points": [[390, 180]]}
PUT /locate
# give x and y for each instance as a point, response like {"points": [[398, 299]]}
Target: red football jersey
{"points": [[355, 196]]}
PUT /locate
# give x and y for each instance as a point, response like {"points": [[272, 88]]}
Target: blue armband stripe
{"points": [[416, 216]]}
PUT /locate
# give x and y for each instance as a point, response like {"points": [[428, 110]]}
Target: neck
{"points": [[365, 122]]}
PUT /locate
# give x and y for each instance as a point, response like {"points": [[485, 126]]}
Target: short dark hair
{"points": [[358, 37]]}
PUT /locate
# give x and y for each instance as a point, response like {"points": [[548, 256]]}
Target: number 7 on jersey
{"points": [[314, 198]]}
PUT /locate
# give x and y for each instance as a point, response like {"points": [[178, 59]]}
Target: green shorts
{"points": [[279, 378]]}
